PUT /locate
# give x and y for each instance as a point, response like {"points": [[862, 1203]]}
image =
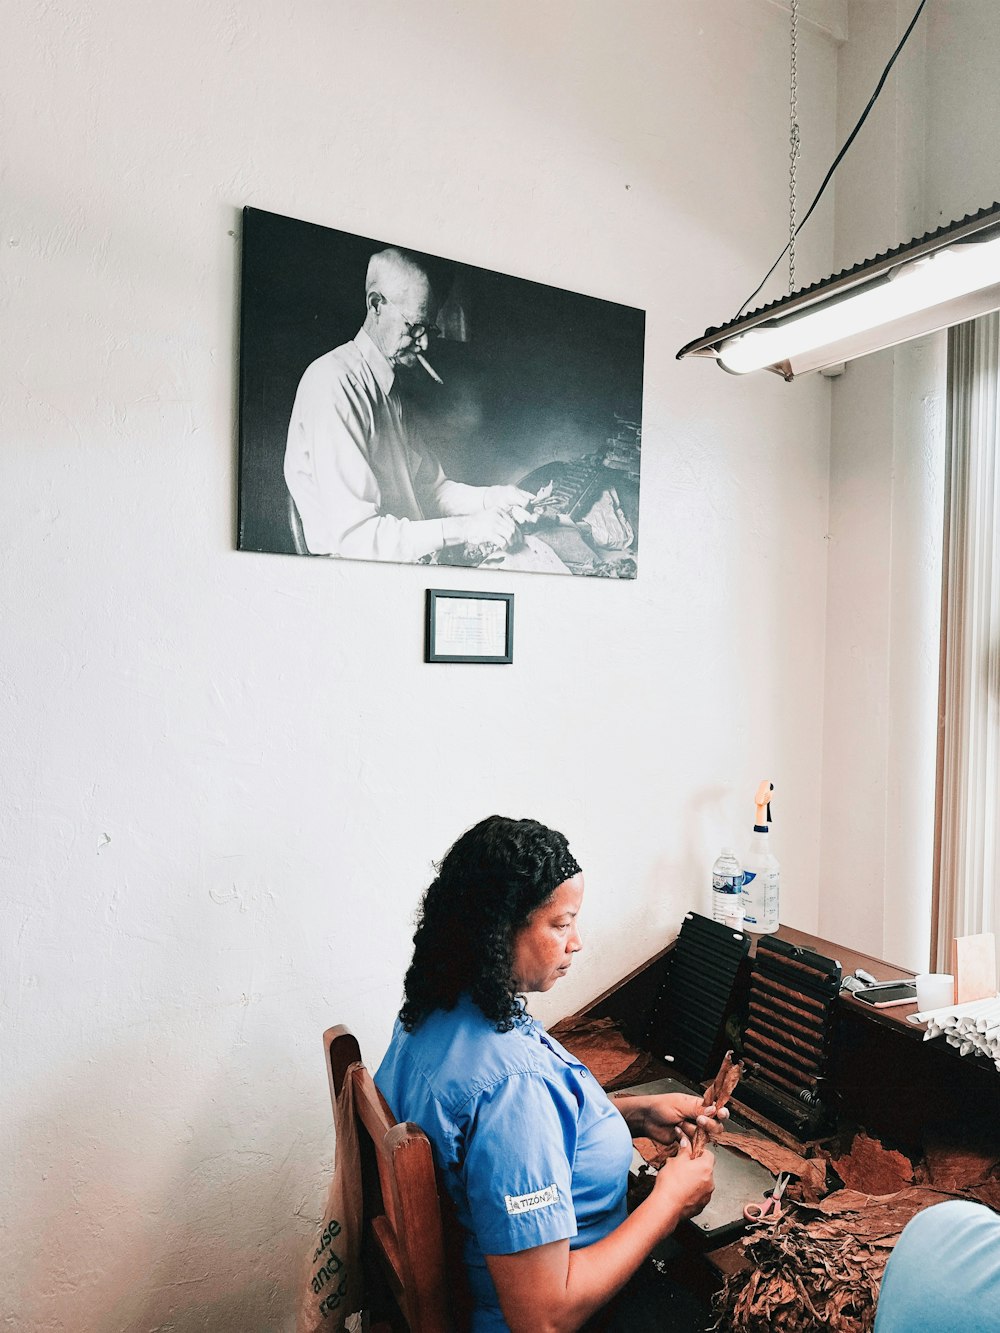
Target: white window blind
{"points": [[967, 891]]}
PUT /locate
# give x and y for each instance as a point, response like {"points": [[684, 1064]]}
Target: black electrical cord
{"points": [[837, 160]]}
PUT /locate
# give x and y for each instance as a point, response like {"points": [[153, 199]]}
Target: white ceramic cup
{"points": [[935, 990]]}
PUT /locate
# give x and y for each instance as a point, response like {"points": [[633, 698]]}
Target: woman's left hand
{"points": [[664, 1117]]}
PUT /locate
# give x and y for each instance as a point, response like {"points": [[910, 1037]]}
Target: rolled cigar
{"points": [[781, 1032], [777, 1013], [778, 963], [429, 368], [769, 1063], [788, 1056], [772, 1076], [778, 1004], [763, 982]]}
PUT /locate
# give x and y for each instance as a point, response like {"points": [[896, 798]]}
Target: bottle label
{"points": [[727, 883]]}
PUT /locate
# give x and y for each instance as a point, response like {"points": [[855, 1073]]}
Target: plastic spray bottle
{"points": [[761, 871]]}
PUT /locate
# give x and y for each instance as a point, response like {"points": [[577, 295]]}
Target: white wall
{"points": [[226, 775], [926, 156]]}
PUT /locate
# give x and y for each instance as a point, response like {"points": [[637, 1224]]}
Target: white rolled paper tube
{"points": [[978, 1021], [935, 990], [955, 1010]]}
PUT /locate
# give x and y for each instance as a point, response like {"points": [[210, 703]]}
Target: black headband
{"points": [[566, 867]]}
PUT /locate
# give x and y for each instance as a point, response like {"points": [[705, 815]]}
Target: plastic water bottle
{"points": [[727, 890]]}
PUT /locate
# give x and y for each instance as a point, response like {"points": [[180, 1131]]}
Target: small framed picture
{"points": [[469, 626]]}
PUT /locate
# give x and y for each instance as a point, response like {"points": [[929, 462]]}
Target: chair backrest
{"points": [[403, 1243]]}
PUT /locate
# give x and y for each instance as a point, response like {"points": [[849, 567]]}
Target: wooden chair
{"points": [[407, 1248]]}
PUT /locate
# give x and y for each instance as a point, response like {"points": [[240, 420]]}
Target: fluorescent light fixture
{"points": [[937, 280]]}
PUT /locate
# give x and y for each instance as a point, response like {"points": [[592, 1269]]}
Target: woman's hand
{"points": [[675, 1113], [663, 1118], [687, 1181]]}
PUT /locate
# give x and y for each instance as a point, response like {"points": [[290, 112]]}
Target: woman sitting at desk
{"points": [[533, 1152]]}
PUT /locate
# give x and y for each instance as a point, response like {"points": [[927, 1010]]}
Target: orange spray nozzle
{"points": [[763, 802]]}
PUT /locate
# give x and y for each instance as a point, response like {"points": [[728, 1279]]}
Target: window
{"points": [[967, 876]]}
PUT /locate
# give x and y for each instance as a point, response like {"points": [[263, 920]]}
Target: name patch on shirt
{"points": [[525, 1203]]}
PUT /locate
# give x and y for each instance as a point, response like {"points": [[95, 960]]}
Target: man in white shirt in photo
{"points": [[365, 484]]}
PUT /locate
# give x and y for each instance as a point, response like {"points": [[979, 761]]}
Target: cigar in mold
{"points": [[430, 369]]}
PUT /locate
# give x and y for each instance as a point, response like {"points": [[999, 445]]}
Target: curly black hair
{"points": [[487, 886]]}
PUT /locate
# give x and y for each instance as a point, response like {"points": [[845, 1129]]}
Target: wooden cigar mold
{"points": [[791, 1007]]}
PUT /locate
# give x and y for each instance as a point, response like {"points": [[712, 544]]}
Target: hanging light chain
{"points": [[840, 156], [793, 154]]}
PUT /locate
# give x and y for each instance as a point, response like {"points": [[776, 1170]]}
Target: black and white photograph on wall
{"points": [[402, 407]]}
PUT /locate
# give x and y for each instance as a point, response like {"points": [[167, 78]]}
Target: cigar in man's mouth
{"points": [[429, 368]]}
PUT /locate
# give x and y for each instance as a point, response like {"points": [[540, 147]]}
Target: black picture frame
{"points": [[479, 631], [533, 386]]}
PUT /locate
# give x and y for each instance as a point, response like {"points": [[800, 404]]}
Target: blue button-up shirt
{"points": [[530, 1147]]}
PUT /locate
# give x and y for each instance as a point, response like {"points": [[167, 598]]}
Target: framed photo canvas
{"points": [[403, 407]]}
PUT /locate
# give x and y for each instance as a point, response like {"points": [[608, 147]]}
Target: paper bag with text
{"points": [[333, 1287]]}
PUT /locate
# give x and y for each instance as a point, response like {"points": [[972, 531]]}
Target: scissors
{"points": [[770, 1210]]}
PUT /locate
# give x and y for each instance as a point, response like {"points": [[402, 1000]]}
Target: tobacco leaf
{"points": [[717, 1094], [873, 1169], [953, 1166], [844, 1201], [856, 1201], [811, 1171], [654, 1153], [988, 1192], [598, 1044], [812, 1183], [638, 1071], [770, 1154], [764, 1151]]}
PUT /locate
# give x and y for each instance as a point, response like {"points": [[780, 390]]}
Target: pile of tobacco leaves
{"points": [[599, 1044], [821, 1266], [818, 1268]]}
